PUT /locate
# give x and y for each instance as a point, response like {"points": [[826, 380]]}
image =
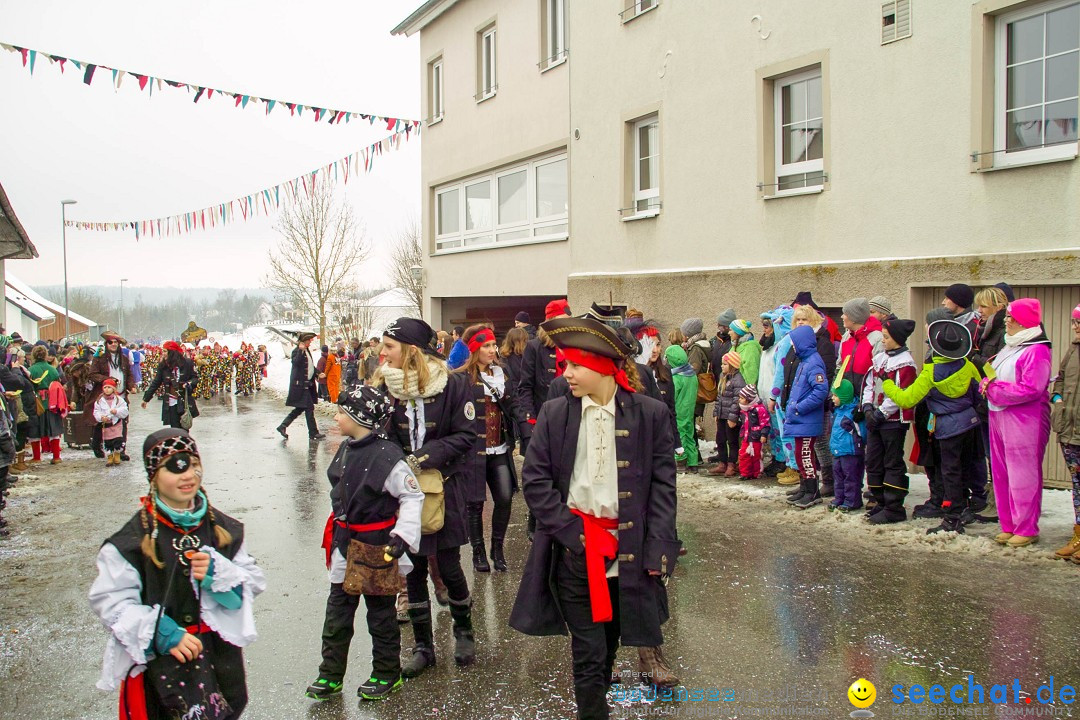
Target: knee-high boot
{"points": [[476, 537], [423, 653], [464, 644], [500, 520]]}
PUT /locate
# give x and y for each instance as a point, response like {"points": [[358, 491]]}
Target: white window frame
{"points": [[1061, 151], [652, 208], [555, 24], [806, 166], [488, 65], [437, 96], [637, 8], [549, 228]]}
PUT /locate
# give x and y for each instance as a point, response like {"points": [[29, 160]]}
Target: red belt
{"points": [[599, 545], [198, 629], [328, 531]]}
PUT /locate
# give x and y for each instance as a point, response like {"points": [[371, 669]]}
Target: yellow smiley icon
{"points": [[862, 693]]}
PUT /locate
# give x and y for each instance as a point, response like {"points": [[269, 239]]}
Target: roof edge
{"points": [[9, 213], [422, 16]]}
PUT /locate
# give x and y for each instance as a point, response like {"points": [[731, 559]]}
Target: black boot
{"points": [[497, 559], [950, 523], [423, 653], [530, 527], [464, 644], [476, 537]]}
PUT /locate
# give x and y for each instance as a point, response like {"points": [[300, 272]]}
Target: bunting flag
{"points": [[261, 202], [199, 92]]}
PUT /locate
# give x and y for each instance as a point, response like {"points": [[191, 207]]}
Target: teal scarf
{"points": [[186, 519]]}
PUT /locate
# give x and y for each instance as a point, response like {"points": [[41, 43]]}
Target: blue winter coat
{"points": [[845, 431], [806, 404], [459, 355]]}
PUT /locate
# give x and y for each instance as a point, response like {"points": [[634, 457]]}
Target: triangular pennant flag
{"points": [[142, 81], [244, 100], [198, 94], [269, 106], [89, 74], [33, 57]]}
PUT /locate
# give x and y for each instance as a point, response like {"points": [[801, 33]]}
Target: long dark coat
{"points": [[302, 391], [449, 434], [99, 371], [513, 415], [537, 372], [647, 539], [164, 377]]}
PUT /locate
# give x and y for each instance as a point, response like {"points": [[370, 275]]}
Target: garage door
{"points": [[1057, 304]]}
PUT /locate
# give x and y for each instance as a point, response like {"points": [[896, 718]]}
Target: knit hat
{"points": [[962, 295], [366, 405], [748, 394], [555, 308], [1076, 313], [163, 444], [108, 382], [938, 313], [692, 326], [857, 310], [1026, 311], [740, 327], [881, 304], [522, 317], [1007, 289], [900, 330], [733, 359], [726, 318], [845, 391]]}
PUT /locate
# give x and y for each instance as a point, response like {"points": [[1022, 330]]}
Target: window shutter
{"points": [[895, 21]]}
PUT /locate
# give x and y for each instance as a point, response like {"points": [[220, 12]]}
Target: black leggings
{"points": [[448, 560], [502, 493]]}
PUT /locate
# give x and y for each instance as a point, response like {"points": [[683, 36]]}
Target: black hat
{"points": [[413, 332], [305, 336], [586, 334], [522, 317], [163, 444], [368, 406], [805, 298], [900, 330], [1003, 286], [949, 339], [627, 336], [608, 316], [960, 294]]}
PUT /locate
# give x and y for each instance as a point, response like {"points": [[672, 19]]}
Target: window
{"points": [[647, 166], [435, 83], [488, 82], [636, 7], [526, 202], [1037, 73], [800, 127], [895, 21], [553, 38]]}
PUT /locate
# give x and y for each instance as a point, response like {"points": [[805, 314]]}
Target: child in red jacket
{"points": [[754, 430]]}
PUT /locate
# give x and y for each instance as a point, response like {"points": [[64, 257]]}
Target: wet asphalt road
{"points": [[759, 606]]}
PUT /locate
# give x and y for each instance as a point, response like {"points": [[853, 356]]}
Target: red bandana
{"points": [[480, 339], [599, 363]]}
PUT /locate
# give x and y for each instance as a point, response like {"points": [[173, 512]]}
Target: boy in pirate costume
{"points": [[599, 477], [175, 590], [370, 484]]}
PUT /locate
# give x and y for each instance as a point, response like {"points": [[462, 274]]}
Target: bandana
{"points": [[366, 405], [480, 339], [600, 364], [413, 332], [172, 345], [162, 445]]}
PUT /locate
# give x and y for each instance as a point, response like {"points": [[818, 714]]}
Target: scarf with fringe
{"points": [[395, 381]]}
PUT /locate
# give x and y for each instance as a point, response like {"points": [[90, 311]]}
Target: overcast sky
{"points": [[124, 155]]}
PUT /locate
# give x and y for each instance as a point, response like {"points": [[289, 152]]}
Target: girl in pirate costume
{"points": [[434, 421], [496, 418], [175, 589]]}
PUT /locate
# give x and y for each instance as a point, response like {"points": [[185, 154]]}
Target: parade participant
{"points": [[51, 411], [1065, 420], [376, 503], [175, 589], [333, 375], [302, 391], [1019, 422], [600, 478], [950, 385], [110, 364], [175, 378], [496, 416], [805, 414], [434, 422], [135, 355], [264, 360], [512, 352], [111, 411], [685, 382], [320, 370]]}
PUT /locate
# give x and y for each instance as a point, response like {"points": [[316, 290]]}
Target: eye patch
{"points": [[178, 463]]}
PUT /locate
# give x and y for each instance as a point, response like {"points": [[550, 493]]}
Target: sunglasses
{"points": [[112, 342]]}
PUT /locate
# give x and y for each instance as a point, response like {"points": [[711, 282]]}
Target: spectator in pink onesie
{"points": [[1019, 422]]}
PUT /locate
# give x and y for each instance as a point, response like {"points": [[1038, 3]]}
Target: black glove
{"points": [[874, 418], [395, 548]]}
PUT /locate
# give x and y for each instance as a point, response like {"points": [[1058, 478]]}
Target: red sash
{"points": [[328, 531], [599, 545]]}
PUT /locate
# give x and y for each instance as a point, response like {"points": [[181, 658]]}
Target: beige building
{"points": [[494, 169]]}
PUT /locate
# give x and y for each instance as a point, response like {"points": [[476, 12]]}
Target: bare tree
{"points": [[321, 247], [406, 254], [355, 314]]}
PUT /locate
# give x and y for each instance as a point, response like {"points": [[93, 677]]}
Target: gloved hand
{"points": [[874, 418], [750, 451], [394, 549]]}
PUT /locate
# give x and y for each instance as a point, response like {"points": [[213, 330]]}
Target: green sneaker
{"points": [[323, 689], [376, 689]]}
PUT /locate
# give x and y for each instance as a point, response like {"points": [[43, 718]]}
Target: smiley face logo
{"points": [[862, 693]]}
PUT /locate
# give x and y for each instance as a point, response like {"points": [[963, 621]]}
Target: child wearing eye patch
{"points": [[175, 590]]}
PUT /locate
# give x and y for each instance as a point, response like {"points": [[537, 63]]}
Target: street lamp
{"points": [[63, 226], [122, 281]]}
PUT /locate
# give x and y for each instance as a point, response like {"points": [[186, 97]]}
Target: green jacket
{"points": [[43, 374], [686, 387], [953, 386], [749, 352], [1065, 415]]}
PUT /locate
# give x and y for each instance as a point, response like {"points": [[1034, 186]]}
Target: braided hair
{"points": [[221, 537]]}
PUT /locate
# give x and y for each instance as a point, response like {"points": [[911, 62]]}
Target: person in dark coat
{"points": [[538, 368], [522, 320], [512, 352], [177, 377], [991, 304], [605, 539], [302, 392], [115, 364], [434, 422]]}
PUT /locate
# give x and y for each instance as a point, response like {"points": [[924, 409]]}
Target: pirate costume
{"points": [[117, 366], [436, 429], [376, 502], [600, 480], [146, 598], [302, 389]]}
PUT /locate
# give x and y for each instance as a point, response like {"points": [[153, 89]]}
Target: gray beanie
{"points": [[938, 313], [881, 304], [692, 327], [726, 318], [857, 310]]}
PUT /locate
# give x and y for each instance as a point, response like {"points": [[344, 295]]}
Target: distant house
{"points": [[23, 314], [53, 328], [387, 306], [15, 245]]}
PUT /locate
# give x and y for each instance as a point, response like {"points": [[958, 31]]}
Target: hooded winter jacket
{"points": [[861, 347], [805, 414], [686, 387], [749, 351], [847, 436], [951, 389], [1066, 411], [727, 397]]}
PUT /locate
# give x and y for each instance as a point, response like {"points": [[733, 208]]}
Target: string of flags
{"points": [[260, 202], [90, 70]]}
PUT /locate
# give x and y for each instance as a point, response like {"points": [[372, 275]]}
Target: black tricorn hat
{"points": [[305, 336], [949, 339], [609, 316], [586, 334]]}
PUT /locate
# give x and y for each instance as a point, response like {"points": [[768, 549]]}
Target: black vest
{"points": [[357, 475]]}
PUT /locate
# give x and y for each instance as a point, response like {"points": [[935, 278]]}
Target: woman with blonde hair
{"points": [[990, 338]]}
